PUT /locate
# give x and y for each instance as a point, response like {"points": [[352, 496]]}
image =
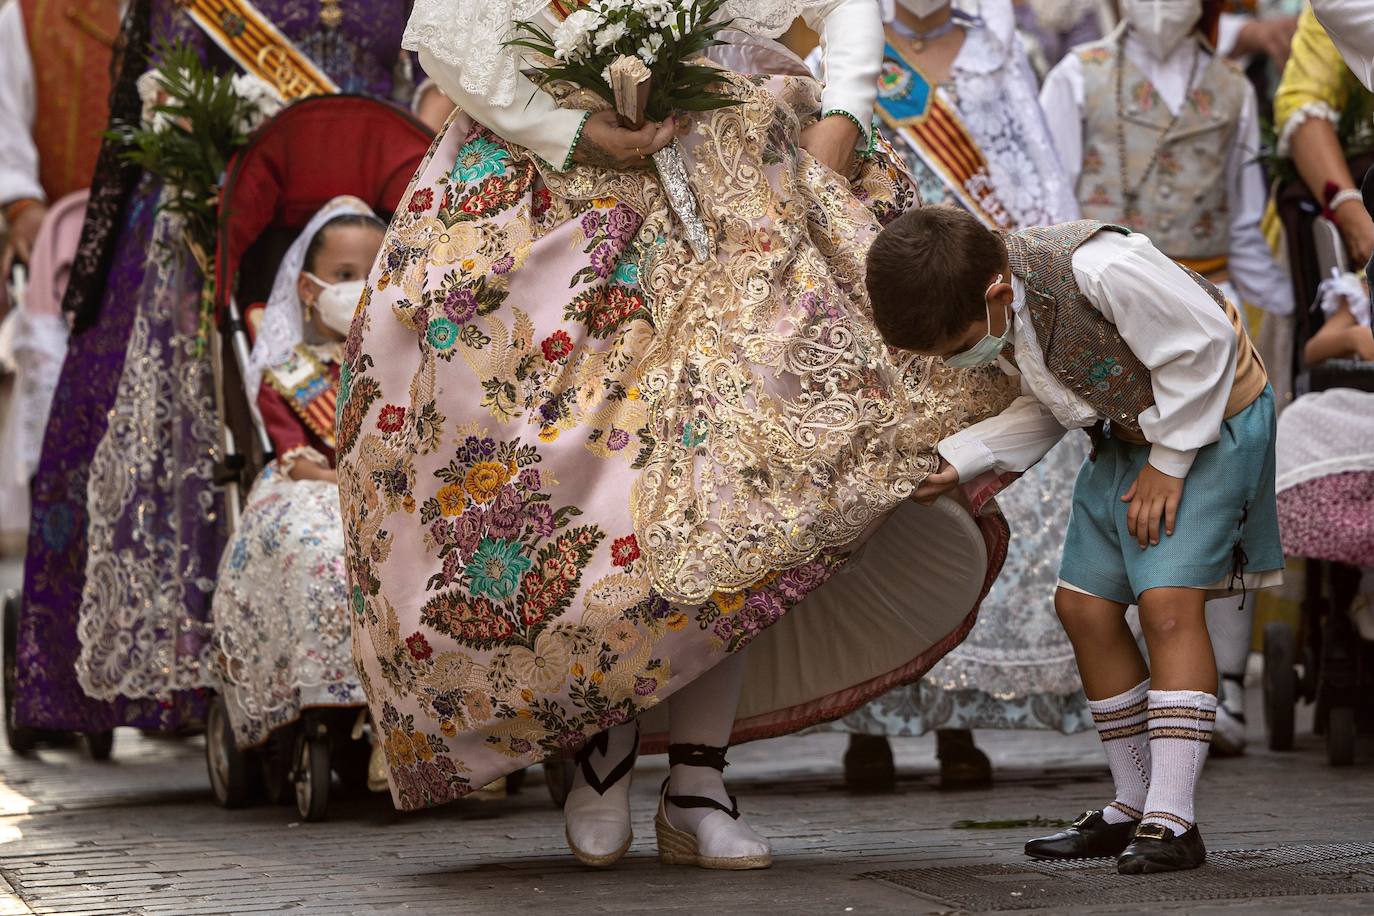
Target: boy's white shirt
{"points": [[1170, 324], [1255, 273], [18, 106]]}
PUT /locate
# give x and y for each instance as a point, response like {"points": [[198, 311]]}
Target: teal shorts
{"points": [[1227, 526]]}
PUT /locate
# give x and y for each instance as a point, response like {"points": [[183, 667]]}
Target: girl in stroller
{"points": [[281, 612]]}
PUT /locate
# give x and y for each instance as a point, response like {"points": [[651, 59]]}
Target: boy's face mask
{"points": [[337, 302], [1161, 25], [985, 351]]}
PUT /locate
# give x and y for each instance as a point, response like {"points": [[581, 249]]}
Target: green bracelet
{"points": [[867, 149]]}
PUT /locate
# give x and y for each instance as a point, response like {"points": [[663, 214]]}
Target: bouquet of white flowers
{"points": [[642, 57]]}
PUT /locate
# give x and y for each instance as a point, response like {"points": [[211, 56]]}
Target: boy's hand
{"points": [[1153, 494], [937, 484]]}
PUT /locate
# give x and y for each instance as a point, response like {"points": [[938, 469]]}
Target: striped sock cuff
{"points": [[1182, 714], [1122, 716]]}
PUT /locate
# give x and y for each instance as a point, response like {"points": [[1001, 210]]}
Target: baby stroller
{"points": [[313, 151], [1326, 661], [34, 340]]}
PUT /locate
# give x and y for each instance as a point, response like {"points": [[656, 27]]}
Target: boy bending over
{"points": [[1175, 504]]}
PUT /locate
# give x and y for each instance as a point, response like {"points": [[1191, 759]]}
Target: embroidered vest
{"points": [[70, 43], [1082, 349], [1182, 206]]}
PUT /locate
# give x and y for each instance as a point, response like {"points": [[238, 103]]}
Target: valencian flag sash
{"points": [[256, 45], [915, 111], [306, 384]]}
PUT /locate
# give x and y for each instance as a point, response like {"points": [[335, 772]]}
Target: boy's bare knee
{"points": [[1080, 613]]}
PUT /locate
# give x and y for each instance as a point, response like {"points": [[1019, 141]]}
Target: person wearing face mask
{"points": [[280, 610], [1016, 668], [1160, 134], [1175, 504]]}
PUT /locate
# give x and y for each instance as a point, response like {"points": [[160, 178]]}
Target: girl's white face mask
{"points": [[1161, 25], [337, 302], [924, 8]]}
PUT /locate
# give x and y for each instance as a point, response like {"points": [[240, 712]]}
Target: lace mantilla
{"points": [[470, 35]]}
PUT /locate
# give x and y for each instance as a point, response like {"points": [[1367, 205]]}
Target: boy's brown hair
{"points": [[927, 272]]}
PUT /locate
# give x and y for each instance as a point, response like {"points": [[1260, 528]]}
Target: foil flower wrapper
{"points": [[629, 81]]}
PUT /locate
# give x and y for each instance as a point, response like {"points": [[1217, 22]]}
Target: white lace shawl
{"points": [[470, 35], [283, 325]]}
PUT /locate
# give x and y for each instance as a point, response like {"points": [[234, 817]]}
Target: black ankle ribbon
{"points": [[699, 755], [601, 743]]}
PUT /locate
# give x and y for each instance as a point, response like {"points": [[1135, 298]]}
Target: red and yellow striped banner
{"points": [[260, 48]]}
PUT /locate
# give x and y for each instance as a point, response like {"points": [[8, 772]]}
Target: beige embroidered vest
{"points": [[1182, 205], [1083, 350]]}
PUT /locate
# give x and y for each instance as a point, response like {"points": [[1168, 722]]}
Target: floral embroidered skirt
{"points": [[579, 467], [282, 627]]}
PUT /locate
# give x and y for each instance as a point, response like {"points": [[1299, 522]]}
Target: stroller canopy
{"points": [[315, 150]]}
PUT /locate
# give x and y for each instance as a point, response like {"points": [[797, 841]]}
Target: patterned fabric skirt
{"points": [[49, 694], [578, 467], [282, 630], [1016, 669], [1330, 518]]}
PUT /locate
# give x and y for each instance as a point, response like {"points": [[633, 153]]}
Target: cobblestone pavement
{"points": [[142, 835]]}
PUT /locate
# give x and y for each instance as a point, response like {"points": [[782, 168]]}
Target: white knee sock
{"points": [[703, 713], [1120, 724], [1180, 733]]}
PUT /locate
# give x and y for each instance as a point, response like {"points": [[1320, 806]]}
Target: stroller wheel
{"points": [[312, 773], [21, 740], [558, 776], [1280, 685], [227, 765], [1340, 736], [100, 744]]}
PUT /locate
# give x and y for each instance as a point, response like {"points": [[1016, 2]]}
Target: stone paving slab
{"points": [[142, 836]]}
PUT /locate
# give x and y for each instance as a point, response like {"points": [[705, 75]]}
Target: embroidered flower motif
{"points": [[530, 479], [460, 305], [545, 666], [730, 603], [452, 500], [617, 440], [627, 272], [419, 647], [549, 434], [503, 266], [391, 418], [442, 334], [478, 159], [625, 550], [604, 260], [421, 200], [591, 222], [505, 518], [645, 686], [541, 517], [484, 480], [556, 346], [496, 568], [468, 532], [541, 203]]}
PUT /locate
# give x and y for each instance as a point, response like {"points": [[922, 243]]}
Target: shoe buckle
{"points": [[1152, 832], [1084, 818]]}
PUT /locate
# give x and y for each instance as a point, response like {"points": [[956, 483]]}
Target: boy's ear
{"points": [[1001, 294]]}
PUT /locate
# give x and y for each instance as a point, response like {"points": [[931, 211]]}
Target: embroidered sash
{"points": [[304, 382], [259, 47], [914, 110]]}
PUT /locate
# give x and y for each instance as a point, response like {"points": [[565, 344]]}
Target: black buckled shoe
{"points": [[1089, 837], [1156, 849]]}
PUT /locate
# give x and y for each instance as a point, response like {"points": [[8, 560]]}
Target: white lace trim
{"points": [[1300, 117], [470, 35]]}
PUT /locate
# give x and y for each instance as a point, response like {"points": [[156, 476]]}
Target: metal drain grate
{"points": [[1234, 874]]}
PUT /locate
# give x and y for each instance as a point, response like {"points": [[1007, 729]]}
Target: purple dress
{"points": [[178, 523]]}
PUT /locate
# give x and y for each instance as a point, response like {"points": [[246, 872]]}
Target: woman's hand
{"points": [[1357, 228], [606, 144], [832, 140]]}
